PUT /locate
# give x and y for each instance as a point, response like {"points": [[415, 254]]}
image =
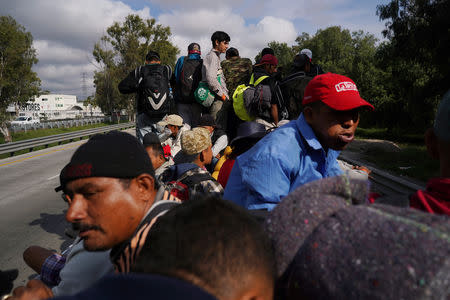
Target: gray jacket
{"points": [[211, 70]]}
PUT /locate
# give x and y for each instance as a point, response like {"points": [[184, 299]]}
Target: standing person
{"points": [[314, 69], [237, 70], [302, 150], [213, 75], [188, 73], [269, 113], [151, 85], [293, 86]]}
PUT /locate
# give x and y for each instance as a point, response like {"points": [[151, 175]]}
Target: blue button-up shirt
{"points": [[280, 162]]}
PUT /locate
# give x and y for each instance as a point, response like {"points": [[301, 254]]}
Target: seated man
{"points": [[219, 138], [156, 153], [175, 124], [180, 263], [221, 265], [74, 270], [109, 184], [301, 151], [189, 168], [326, 248]]}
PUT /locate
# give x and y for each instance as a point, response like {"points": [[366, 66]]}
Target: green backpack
{"points": [[203, 95], [238, 99]]}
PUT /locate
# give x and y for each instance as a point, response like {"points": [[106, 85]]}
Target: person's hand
{"points": [[224, 97], [34, 290]]}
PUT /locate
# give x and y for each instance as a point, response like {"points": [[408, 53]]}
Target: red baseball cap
{"points": [[269, 59], [337, 91]]}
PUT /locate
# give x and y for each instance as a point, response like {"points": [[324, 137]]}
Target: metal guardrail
{"points": [[57, 124], [59, 138], [384, 182]]}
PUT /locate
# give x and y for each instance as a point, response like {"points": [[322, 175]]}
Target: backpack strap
{"points": [[260, 79], [252, 80], [138, 74], [292, 77], [195, 179]]}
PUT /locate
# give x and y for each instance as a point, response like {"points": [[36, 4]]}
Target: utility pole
{"points": [[84, 85]]}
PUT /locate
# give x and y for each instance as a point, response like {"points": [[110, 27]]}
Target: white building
{"points": [[55, 106]]}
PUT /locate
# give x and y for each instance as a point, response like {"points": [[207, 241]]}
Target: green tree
{"points": [[416, 56], [18, 83], [121, 50], [284, 54]]}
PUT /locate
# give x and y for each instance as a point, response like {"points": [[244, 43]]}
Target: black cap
{"points": [[114, 154], [250, 130], [150, 139], [152, 55]]}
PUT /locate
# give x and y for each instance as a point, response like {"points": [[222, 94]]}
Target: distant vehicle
{"points": [[25, 121]]}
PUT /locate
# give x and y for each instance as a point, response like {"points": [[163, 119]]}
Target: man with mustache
{"points": [[110, 187], [301, 151]]}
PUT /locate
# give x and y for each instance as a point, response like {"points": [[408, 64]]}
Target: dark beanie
{"points": [[152, 55], [194, 48], [114, 154], [150, 139]]}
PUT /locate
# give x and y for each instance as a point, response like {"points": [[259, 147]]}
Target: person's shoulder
{"points": [[282, 143], [245, 60]]}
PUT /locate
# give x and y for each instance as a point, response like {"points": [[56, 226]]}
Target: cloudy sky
{"points": [[65, 31]]}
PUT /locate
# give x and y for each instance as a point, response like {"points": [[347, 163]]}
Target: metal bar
{"points": [[45, 141], [388, 183]]}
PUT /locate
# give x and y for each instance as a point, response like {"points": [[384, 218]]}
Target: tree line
{"points": [[403, 76]]}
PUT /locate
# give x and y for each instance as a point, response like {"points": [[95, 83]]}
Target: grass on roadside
{"points": [[412, 160], [6, 155], [30, 134]]}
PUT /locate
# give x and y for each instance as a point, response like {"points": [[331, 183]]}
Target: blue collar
{"points": [[308, 134]]}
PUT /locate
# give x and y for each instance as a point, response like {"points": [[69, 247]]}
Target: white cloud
{"points": [[249, 39], [65, 31], [59, 53]]}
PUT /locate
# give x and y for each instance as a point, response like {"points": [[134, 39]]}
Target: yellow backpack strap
{"points": [[260, 79], [252, 79]]}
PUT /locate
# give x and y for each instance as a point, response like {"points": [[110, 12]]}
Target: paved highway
{"points": [[31, 212]]}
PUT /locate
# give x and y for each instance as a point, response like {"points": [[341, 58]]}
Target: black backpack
{"points": [[290, 92], [154, 87], [191, 75]]}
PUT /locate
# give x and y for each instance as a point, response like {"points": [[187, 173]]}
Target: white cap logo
{"points": [[345, 86]]}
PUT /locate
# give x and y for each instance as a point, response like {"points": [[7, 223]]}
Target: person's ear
{"points": [[146, 187], [202, 156], [431, 143], [308, 112]]}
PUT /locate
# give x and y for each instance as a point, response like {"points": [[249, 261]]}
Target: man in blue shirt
{"points": [[301, 151], [188, 73]]}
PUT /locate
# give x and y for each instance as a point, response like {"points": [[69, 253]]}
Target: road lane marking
{"points": [[53, 177], [41, 154]]}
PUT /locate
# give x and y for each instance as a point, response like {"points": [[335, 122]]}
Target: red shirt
{"points": [[225, 171], [436, 197]]}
